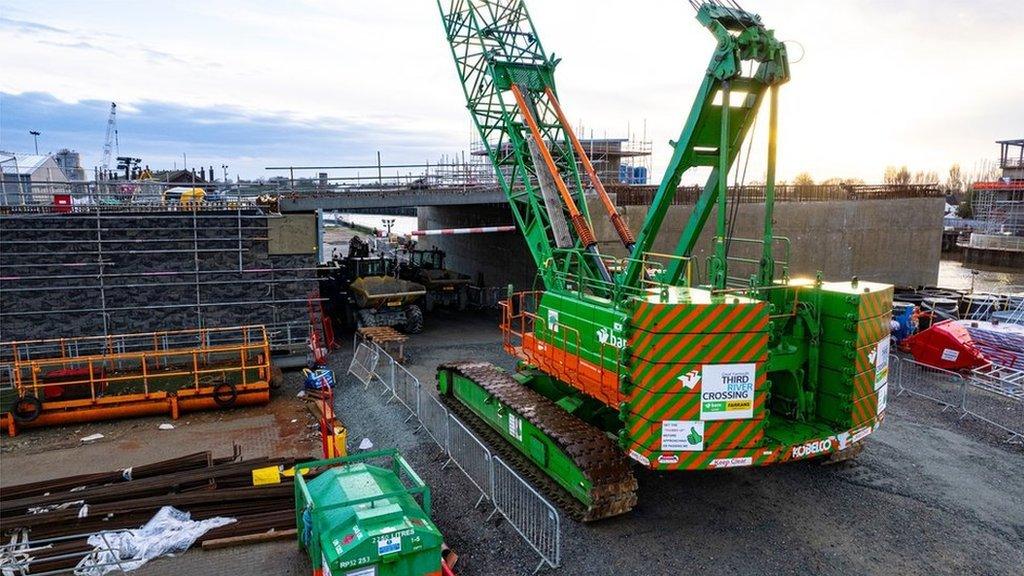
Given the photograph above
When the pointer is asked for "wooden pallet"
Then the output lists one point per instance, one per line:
(386, 337)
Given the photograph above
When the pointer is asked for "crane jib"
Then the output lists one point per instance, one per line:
(508, 80)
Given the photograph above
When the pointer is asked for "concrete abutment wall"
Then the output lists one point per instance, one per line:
(898, 241)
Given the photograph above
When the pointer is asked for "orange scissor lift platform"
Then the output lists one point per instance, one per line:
(85, 379)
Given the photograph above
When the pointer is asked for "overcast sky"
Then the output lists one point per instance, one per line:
(253, 83)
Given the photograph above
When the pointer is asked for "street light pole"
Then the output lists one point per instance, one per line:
(35, 139)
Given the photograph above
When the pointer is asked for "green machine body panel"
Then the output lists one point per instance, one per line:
(526, 437)
(589, 327)
(357, 517)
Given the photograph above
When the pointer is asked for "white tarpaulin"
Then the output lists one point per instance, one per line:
(168, 532)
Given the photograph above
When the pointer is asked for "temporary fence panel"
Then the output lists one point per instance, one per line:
(384, 372)
(434, 418)
(535, 519)
(996, 396)
(364, 362)
(992, 394)
(936, 384)
(407, 389)
(470, 455)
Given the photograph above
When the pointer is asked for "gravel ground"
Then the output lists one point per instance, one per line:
(929, 494)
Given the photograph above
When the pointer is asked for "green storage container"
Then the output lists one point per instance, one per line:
(359, 516)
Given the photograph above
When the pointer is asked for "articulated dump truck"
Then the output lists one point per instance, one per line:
(364, 290)
(628, 360)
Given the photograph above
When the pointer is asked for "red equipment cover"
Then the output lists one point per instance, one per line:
(945, 345)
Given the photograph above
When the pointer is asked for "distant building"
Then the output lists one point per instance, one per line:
(70, 163)
(616, 160)
(1001, 203)
(999, 208)
(30, 179)
(1011, 159)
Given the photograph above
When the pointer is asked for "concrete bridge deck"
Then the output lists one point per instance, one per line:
(405, 196)
(397, 197)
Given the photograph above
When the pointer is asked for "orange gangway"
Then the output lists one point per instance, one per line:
(84, 379)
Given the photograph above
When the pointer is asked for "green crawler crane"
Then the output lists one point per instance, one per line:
(628, 357)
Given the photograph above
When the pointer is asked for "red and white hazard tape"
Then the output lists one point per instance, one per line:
(452, 231)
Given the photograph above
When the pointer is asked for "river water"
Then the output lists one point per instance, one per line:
(952, 274)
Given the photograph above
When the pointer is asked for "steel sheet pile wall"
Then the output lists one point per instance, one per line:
(106, 272)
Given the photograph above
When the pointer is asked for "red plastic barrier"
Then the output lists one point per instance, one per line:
(945, 345)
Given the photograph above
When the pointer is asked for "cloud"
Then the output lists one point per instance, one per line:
(159, 56)
(28, 27)
(81, 45)
(881, 83)
(159, 132)
(96, 41)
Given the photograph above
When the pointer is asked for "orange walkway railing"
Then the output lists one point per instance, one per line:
(70, 380)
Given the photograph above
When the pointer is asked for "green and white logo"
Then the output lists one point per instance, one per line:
(553, 320)
(606, 337)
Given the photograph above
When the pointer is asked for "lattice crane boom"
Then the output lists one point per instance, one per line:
(509, 84)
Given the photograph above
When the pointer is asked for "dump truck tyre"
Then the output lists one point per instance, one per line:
(26, 409)
(413, 319)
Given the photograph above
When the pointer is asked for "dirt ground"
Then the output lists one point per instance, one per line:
(929, 494)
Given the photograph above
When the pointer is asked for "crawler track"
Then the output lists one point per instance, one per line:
(602, 463)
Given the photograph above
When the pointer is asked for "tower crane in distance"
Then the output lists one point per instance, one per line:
(110, 141)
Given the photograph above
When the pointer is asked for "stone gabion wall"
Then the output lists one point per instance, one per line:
(67, 275)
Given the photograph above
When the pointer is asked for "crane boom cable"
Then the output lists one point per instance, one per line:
(625, 234)
(579, 221)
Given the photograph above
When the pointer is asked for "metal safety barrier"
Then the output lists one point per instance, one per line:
(530, 514)
(434, 417)
(987, 394)
(364, 362)
(995, 395)
(406, 389)
(384, 371)
(470, 455)
(935, 384)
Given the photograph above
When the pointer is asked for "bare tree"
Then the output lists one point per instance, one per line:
(842, 182)
(803, 179)
(955, 180)
(897, 176)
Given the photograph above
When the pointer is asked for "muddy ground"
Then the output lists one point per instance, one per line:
(929, 494)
